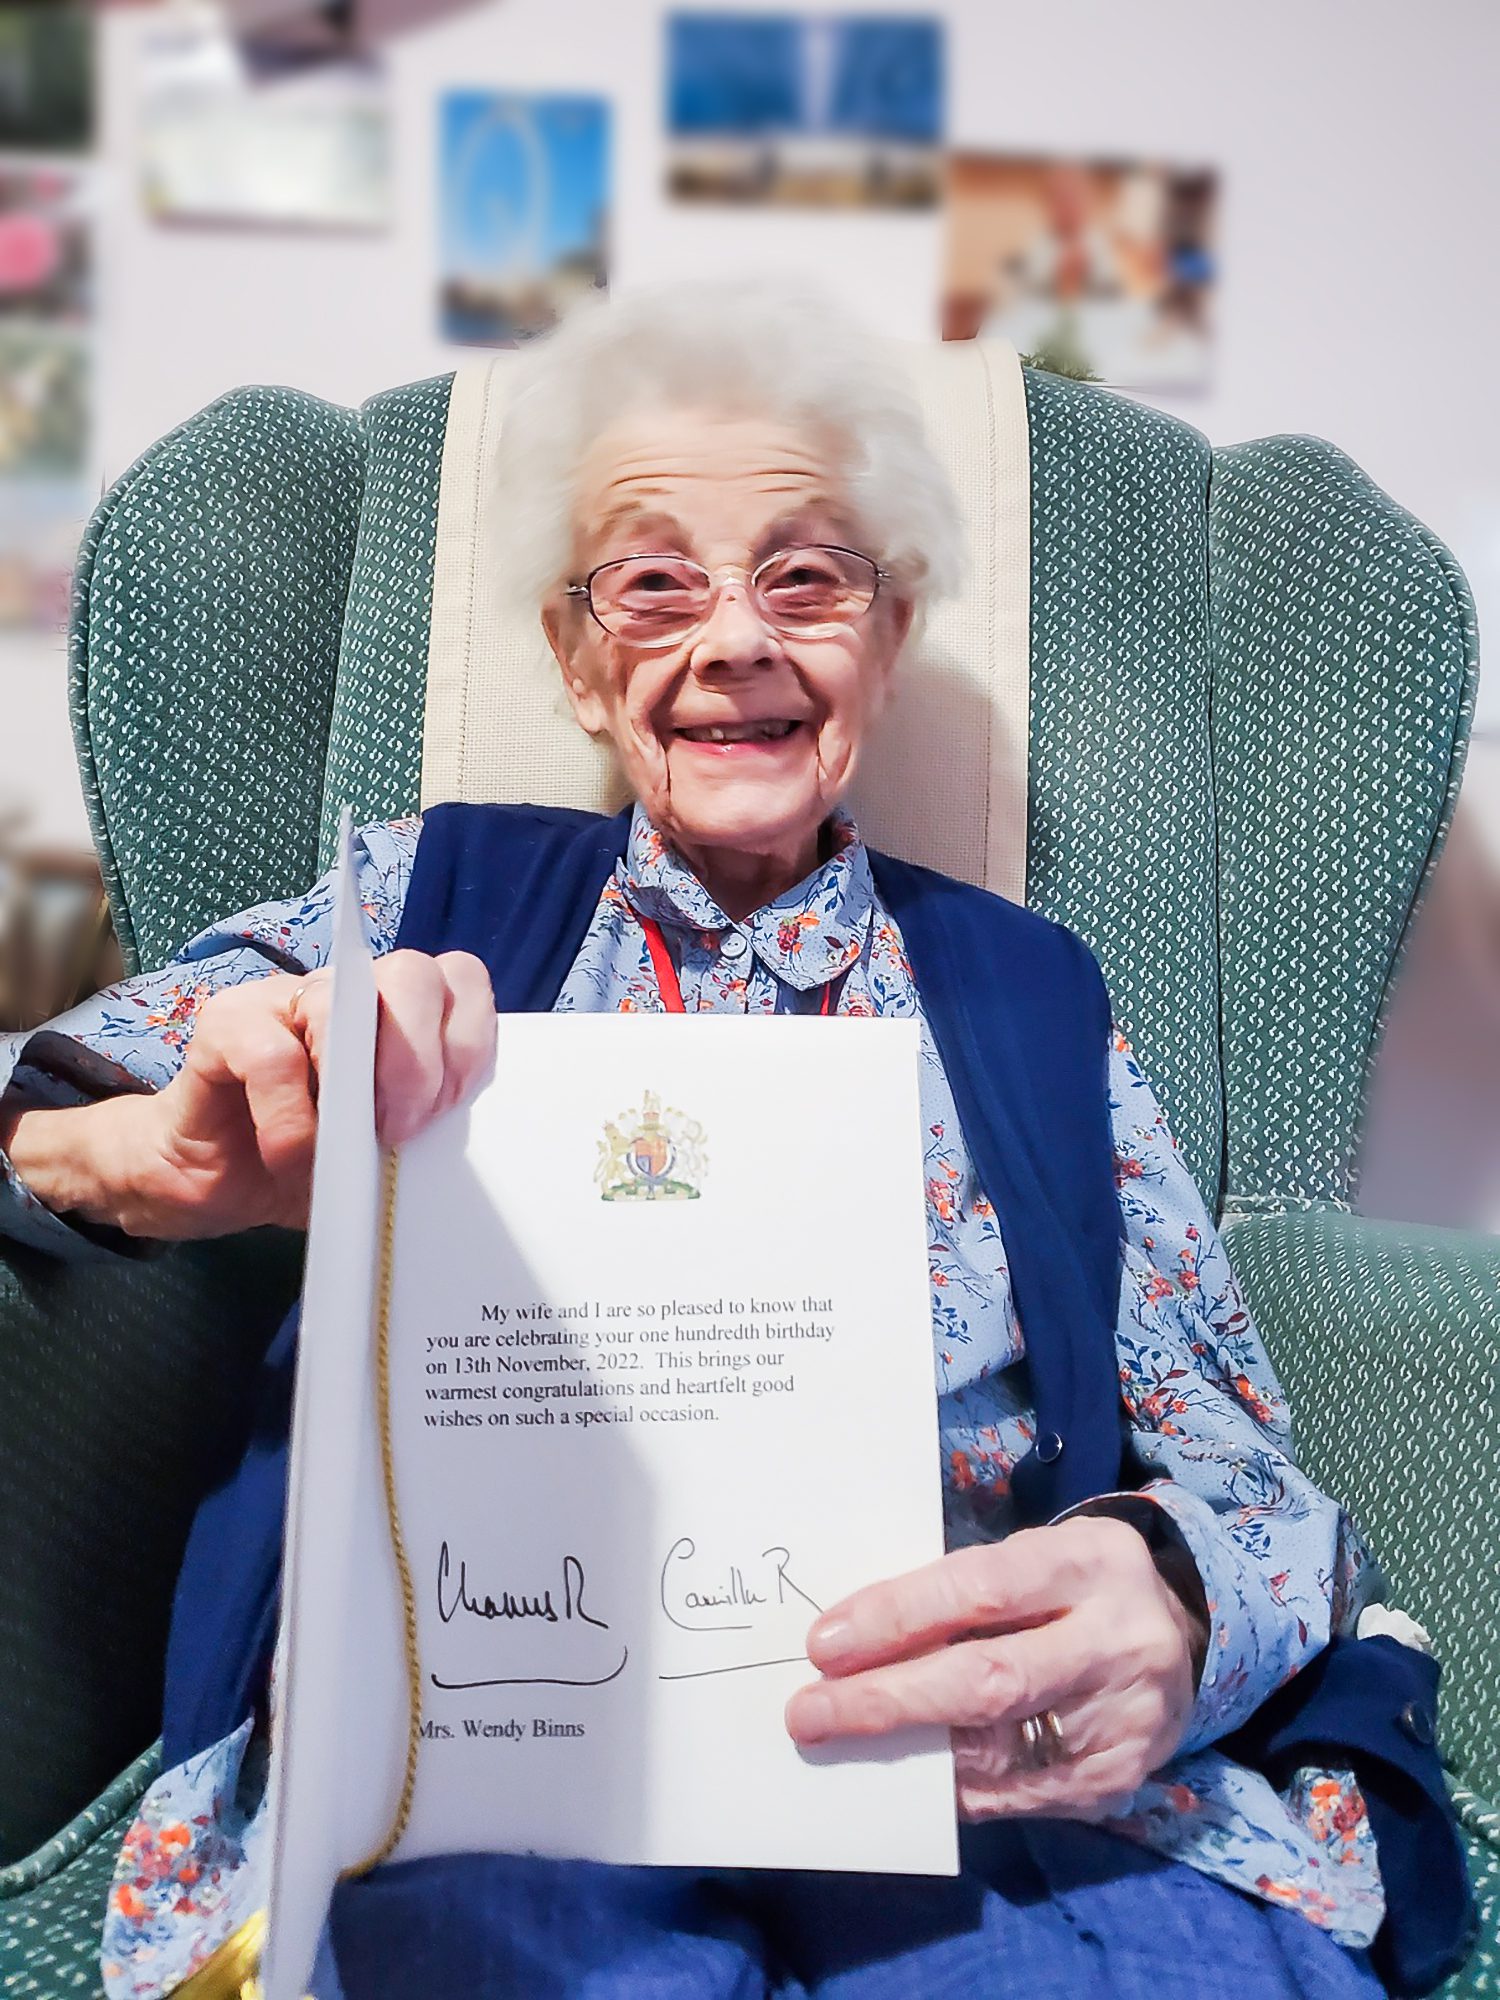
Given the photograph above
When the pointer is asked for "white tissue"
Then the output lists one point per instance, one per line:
(1377, 1620)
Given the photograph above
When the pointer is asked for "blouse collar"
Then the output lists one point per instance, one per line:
(806, 936)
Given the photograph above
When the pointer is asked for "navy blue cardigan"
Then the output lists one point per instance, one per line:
(1019, 1013)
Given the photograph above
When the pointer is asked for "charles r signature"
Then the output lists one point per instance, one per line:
(458, 1598)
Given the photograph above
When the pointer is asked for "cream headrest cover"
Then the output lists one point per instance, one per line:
(944, 783)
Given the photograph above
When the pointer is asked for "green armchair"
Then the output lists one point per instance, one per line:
(1252, 678)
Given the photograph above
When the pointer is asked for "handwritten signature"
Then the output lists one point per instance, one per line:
(703, 1605)
(459, 1599)
(742, 1597)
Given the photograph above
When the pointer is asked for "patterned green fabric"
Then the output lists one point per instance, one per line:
(375, 746)
(49, 1937)
(1344, 661)
(1480, 1978)
(1120, 840)
(1478, 1814)
(52, 1904)
(1388, 1343)
(208, 604)
(83, 1829)
(126, 1386)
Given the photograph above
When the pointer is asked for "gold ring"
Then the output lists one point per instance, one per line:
(1042, 1740)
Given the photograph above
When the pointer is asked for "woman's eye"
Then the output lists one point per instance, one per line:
(805, 577)
(654, 581)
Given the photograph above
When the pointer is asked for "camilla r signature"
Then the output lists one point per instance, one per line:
(459, 1599)
(727, 1601)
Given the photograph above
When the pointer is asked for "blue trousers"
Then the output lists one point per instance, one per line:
(1048, 1911)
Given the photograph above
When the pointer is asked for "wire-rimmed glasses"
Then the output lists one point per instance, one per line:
(657, 600)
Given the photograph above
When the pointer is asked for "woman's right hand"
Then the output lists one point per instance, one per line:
(228, 1144)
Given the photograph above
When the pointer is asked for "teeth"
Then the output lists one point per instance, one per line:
(748, 732)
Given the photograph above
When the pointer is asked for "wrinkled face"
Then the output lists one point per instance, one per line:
(735, 737)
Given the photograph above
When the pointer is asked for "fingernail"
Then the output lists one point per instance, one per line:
(830, 1637)
(809, 1715)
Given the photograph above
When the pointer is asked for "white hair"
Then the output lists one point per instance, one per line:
(740, 347)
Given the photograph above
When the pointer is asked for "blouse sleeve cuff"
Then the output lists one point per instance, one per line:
(51, 1071)
(1233, 1682)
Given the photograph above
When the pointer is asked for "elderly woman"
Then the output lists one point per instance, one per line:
(731, 524)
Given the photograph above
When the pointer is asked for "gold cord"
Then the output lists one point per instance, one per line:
(230, 1973)
(389, 1169)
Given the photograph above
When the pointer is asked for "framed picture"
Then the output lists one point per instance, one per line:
(47, 76)
(838, 112)
(45, 256)
(1105, 268)
(525, 212)
(44, 402)
(262, 135)
(41, 525)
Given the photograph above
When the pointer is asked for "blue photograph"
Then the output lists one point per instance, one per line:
(525, 206)
(815, 111)
(736, 76)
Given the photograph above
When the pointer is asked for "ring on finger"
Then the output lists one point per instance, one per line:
(309, 982)
(1042, 1740)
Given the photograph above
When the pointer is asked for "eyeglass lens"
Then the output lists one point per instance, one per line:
(658, 598)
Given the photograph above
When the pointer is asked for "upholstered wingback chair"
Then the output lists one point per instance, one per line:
(1208, 707)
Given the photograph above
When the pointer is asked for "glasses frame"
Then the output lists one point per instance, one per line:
(585, 589)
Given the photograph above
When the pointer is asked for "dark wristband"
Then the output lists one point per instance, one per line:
(1171, 1555)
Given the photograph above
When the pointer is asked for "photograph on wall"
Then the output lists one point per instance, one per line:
(234, 132)
(44, 402)
(1101, 268)
(46, 76)
(842, 112)
(524, 187)
(41, 524)
(45, 264)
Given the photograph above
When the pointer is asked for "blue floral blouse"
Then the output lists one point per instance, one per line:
(1282, 1566)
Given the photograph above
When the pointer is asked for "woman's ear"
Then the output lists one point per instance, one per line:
(578, 684)
(903, 610)
(898, 613)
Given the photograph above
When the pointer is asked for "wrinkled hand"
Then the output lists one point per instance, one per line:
(228, 1144)
(1073, 1617)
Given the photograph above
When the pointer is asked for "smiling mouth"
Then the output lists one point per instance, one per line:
(740, 732)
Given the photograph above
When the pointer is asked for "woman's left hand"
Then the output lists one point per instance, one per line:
(1074, 1618)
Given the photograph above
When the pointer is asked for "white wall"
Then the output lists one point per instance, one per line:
(1358, 141)
(1360, 154)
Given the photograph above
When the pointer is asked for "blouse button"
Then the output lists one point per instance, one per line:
(734, 945)
(1049, 1447)
(1417, 1725)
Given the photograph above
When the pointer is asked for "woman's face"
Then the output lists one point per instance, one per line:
(726, 492)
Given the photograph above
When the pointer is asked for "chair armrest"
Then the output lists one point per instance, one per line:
(1478, 1977)
(1387, 1340)
(125, 1387)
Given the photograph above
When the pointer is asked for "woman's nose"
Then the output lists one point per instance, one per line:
(734, 636)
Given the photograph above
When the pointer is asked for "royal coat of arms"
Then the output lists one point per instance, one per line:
(651, 1154)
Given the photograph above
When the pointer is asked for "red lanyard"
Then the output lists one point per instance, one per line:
(670, 986)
